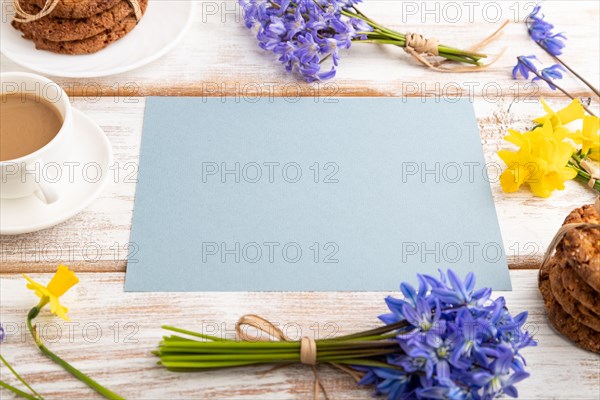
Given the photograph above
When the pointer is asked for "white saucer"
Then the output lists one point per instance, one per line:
(93, 154)
(163, 25)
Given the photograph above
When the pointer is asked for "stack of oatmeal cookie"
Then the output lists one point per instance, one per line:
(79, 26)
(570, 281)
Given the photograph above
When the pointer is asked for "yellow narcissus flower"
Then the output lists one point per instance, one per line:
(60, 283)
(589, 137)
(570, 113)
(518, 163)
(540, 162)
(548, 155)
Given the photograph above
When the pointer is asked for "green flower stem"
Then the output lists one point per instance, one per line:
(367, 363)
(65, 365)
(17, 391)
(383, 35)
(214, 364)
(564, 64)
(553, 83)
(582, 175)
(268, 358)
(466, 60)
(367, 348)
(11, 369)
(195, 334)
(211, 365)
(269, 355)
(571, 70)
(271, 346)
(377, 331)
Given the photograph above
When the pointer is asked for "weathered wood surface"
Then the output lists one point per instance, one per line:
(112, 333)
(219, 57)
(98, 238)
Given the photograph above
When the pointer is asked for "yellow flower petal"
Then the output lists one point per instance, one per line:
(509, 157)
(571, 112)
(546, 106)
(543, 155)
(540, 189)
(39, 289)
(568, 173)
(590, 137)
(509, 181)
(514, 137)
(57, 309)
(568, 114)
(62, 281)
(553, 180)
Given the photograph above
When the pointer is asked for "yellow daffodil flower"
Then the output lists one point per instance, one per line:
(60, 283)
(518, 162)
(570, 113)
(540, 162)
(589, 137)
(548, 155)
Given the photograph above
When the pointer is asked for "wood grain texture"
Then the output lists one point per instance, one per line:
(112, 333)
(220, 57)
(98, 238)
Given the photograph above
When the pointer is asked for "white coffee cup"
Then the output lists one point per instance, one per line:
(22, 177)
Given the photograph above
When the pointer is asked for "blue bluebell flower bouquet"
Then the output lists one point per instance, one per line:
(307, 35)
(444, 340)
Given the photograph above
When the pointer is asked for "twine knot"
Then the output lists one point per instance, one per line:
(593, 170)
(308, 351)
(24, 17)
(308, 346)
(421, 45)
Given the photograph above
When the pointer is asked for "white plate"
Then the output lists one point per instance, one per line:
(80, 183)
(163, 25)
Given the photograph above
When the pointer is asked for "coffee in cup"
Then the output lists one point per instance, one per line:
(28, 122)
(35, 132)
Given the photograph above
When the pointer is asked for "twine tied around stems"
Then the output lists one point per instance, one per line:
(591, 169)
(308, 346)
(419, 44)
(419, 47)
(563, 231)
(49, 6)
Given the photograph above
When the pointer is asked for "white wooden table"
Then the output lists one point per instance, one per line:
(113, 332)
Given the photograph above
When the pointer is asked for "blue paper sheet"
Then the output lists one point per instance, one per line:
(349, 194)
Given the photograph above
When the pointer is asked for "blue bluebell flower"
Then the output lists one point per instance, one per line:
(553, 43)
(410, 297)
(499, 378)
(394, 383)
(307, 35)
(2, 333)
(459, 344)
(550, 74)
(449, 392)
(541, 32)
(525, 64)
(460, 293)
(537, 26)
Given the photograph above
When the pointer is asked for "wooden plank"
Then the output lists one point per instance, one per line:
(98, 238)
(219, 56)
(112, 333)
